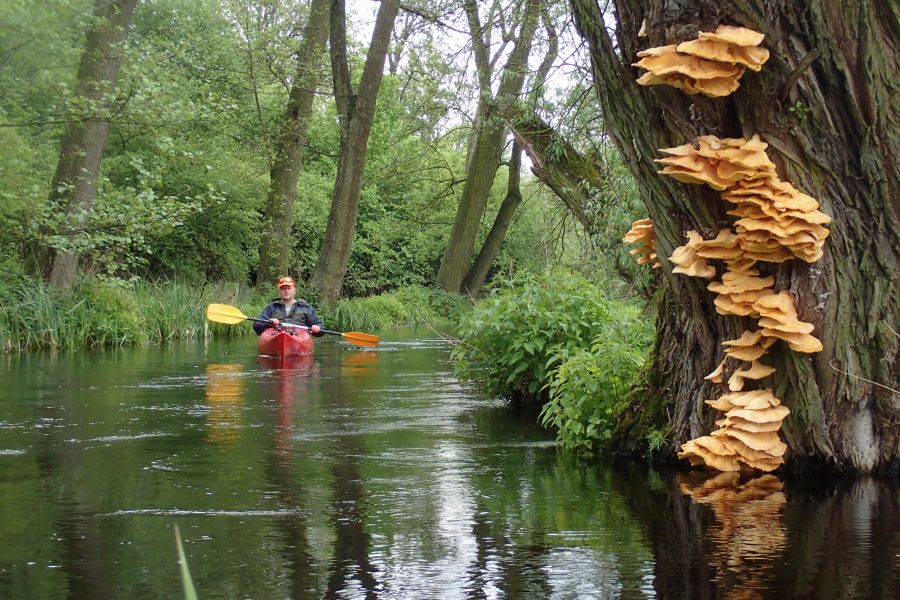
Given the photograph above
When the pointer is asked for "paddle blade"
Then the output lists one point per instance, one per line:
(361, 339)
(222, 313)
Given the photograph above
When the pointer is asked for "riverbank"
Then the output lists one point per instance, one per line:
(100, 313)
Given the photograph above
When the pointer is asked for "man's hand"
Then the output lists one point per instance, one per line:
(274, 322)
(315, 329)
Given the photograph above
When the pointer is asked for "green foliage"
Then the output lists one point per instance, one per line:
(407, 307)
(185, 170)
(588, 387)
(614, 207)
(801, 110)
(657, 440)
(96, 314)
(516, 335)
(102, 313)
(556, 341)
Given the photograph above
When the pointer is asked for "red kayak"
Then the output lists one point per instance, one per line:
(275, 342)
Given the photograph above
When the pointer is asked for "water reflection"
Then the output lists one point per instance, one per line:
(224, 397)
(350, 571)
(375, 474)
(292, 379)
(359, 363)
(748, 536)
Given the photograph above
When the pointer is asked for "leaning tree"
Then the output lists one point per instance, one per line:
(825, 102)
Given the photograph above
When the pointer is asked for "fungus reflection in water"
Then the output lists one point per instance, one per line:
(748, 537)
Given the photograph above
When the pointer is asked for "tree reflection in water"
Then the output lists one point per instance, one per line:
(351, 568)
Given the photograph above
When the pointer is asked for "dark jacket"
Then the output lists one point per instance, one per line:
(301, 314)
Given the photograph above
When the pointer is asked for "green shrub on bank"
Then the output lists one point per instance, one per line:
(556, 342)
(588, 387)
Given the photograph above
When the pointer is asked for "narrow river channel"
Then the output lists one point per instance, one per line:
(374, 474)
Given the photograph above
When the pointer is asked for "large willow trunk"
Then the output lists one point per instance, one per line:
(75, 183)
(275, 243)
(356, 113)
(825, 102)
(486, 145)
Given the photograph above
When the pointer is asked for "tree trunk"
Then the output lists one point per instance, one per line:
(275, 244)
(825, 103)
(559, 166)
(356, 113)
(491, 247)
(75, 182)
(488, 149)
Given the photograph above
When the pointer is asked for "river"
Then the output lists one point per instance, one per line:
(375, 474)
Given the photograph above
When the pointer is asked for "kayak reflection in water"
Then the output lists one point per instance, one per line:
(224, 397)
(289, 309)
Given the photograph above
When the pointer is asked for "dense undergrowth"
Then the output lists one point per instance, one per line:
(560, 343)
(103, 313)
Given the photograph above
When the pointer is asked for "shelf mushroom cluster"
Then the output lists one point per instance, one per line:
(642, 233)
(775, 222)
(747, 435)
(711, 65)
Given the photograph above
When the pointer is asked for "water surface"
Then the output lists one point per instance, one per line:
(374, 474)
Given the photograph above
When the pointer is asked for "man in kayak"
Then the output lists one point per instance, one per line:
(288, 309)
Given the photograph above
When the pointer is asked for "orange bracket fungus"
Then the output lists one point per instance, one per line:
(775, 222)
(642, 233)
(711, 65)
(688, 262)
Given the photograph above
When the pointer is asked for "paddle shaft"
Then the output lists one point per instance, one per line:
(293, 325)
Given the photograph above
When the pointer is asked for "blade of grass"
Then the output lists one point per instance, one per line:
(189, 592)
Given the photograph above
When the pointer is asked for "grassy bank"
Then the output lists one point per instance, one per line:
(99, 313)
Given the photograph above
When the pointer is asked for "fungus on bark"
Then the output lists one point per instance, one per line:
(711, 65)
(747, 435)
(688, 262)
(718, 162)
(779, 320)
(642, 233)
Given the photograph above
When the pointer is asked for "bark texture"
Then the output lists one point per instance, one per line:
(75, 182)
(278, 214)
(825, 103)
(487, 144)
(356, 113)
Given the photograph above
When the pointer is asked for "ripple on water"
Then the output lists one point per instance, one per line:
(119, 438)
(180, 512)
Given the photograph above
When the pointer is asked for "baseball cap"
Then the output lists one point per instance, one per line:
(285, 281)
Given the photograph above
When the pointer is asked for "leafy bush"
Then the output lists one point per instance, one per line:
(588, 389)
(555, 341)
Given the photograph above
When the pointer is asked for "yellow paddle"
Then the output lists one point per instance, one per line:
(223, 313)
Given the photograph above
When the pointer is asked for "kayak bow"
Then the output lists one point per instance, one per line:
(281, 343)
